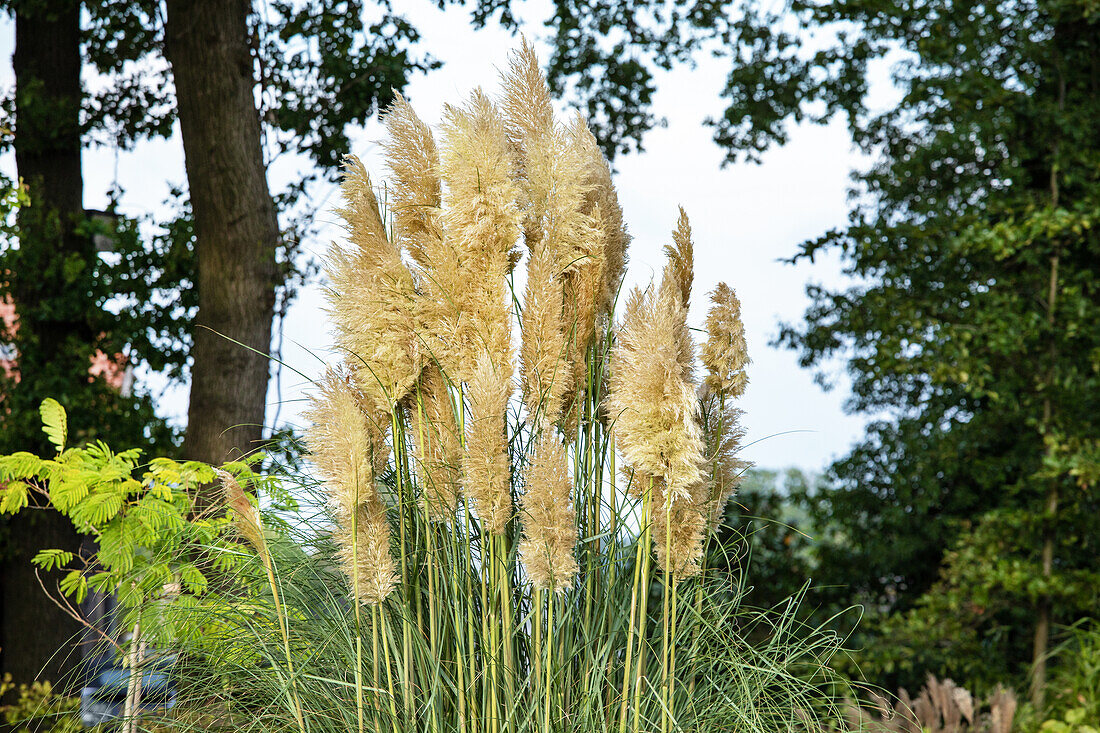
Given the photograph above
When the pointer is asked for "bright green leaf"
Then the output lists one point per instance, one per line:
(54, 422)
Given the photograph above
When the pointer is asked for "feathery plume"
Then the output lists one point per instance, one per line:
(686, 524)
(603, 203)
(416, 196)
(683, 517)
(550, 531)
(680, 269)
(363, 549)
(435, 435)
(416, 202)
(722, 434)
(372, 297)
(245, 517)
(652, 398)
(725, 353)
(544, 370)
(482, 222)
(348, 448)
(725, 356)
(564, 241)
(486, 469)
(527, 105)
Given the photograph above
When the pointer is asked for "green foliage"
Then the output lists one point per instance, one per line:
(149, 542)
(37, 709)
(1074, 705)
(54, 423)
(970, 329)
(755, 670)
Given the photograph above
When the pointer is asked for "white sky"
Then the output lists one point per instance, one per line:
(744, 217)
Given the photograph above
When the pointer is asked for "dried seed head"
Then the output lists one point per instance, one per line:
(603, 203)
(363, 548)
(680, 270)
(725, 357)
(346, 444)
(372, 297)
(550, 531)
(679, 533)
(652, 400)
(545, 371)
(348, 447)
(437, 444)
(725, 354)
(722, 434)
(245, 517)
(416, 202)
(416, 195)
(562, 235)
(485, 467)
(482, 224)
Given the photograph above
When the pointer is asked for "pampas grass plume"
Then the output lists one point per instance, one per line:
(372, 297)
(348, 448)
(482, 222)
(486, 469)
(246, 519)
(549, 529)
(436, 440)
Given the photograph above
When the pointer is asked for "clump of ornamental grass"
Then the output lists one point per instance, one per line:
(519, 497)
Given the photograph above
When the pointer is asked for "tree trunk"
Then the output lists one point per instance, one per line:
(1041, 641)
(35, 635)
(235, 225)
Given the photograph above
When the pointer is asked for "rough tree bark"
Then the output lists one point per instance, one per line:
(56, 336)
(235, 225)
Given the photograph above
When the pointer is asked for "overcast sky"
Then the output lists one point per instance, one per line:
(744, 217)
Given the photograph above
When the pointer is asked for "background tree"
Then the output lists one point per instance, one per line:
(55, 341)
(974, 320)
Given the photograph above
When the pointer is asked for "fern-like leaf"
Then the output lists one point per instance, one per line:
(54, 422)
(52, 559)
(76, 585)
(13, 497)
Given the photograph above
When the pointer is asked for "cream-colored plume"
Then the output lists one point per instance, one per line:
(486, 470)
(416, 201)
(652, 393)
(677, 523)
(562, 236)
(544, 365)
(680, 269)
(686, 524)
(652, 399)
(725, 353)
(482, 223)
(349, 449)
(437, 444)
(416, 193)
(722, 434)
(549, 527)
(363, 547)
(725, 356)
(603, 203)
(372, 298)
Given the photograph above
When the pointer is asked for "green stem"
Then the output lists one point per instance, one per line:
(549, 660)
(643, 613)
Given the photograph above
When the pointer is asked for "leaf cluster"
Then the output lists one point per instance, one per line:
(141, 517)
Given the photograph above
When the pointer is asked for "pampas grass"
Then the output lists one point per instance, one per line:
(484, 559)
